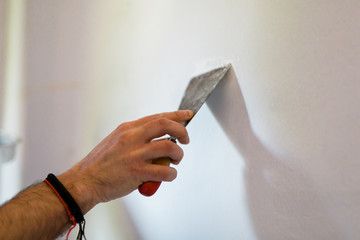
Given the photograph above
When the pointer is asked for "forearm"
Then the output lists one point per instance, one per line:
(35, 213)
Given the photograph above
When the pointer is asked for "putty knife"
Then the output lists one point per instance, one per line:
(198, 90)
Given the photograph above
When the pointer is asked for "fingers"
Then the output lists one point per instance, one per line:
(158, 125)
(177, 116)
(163, 126)
(161, 149)
(158, 150)
(158, 173)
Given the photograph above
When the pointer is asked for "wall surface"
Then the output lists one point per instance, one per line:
(274, 153)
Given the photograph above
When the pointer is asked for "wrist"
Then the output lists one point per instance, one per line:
(72, 181)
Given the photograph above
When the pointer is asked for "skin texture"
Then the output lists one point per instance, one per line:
(114, 168)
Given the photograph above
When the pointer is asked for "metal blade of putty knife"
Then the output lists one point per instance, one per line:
(200, 88)
(196, 94)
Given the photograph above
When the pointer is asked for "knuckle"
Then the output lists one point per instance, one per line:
(161, 115)
(173, 150)
(124, 126)
(162, 122)
(126, 137)
(168, 146)
(178, 114)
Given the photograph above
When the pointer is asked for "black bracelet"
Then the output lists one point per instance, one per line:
(66, 196)
(71, 205)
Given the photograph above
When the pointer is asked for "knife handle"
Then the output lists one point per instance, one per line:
(149, 188)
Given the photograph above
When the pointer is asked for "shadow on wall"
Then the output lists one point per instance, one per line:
(282, 203)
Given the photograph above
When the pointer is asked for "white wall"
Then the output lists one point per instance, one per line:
(274, 155)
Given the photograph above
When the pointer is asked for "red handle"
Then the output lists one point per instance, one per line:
(149, 188)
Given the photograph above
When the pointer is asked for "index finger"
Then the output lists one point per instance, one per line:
(178, 116)
(162, 126)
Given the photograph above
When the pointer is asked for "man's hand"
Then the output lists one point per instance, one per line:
(122, 161)
(114, 168)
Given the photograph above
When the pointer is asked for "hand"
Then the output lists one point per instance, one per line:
(122, 161)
